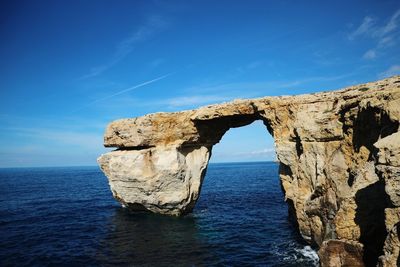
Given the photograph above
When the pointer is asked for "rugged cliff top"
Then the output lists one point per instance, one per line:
(183, 127)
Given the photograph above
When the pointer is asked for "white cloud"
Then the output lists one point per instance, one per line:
(50, 147)
(385, 34)
(231, 91)
(51, 142)
(253, 89)
(386, 42)
(392, 24)
(365, 28)
(267, 153)
(153, 25)
(193, 100)
(369, 27)
(175, 102)
(262, 152)
(391, 71)
(370, 54)
(59, 137)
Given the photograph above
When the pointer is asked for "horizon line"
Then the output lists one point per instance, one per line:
(83, 166)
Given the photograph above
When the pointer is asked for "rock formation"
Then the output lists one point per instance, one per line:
(339, 156)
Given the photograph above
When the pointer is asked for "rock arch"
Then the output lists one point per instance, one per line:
(336, 150)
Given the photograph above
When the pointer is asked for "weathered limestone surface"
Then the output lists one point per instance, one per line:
(163, 180)
(339, 155)
(340, 253)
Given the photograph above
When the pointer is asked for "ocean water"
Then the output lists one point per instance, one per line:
(68, 217)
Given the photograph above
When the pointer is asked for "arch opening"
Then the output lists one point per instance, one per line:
(247, 143)
(243, 202)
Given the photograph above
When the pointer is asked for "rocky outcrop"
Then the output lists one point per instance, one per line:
(338, 153)
(340, 253)
(163, 180)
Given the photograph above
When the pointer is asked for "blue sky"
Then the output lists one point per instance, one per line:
(70, 67)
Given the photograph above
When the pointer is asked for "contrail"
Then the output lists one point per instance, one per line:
(124, 91)
(130, 88)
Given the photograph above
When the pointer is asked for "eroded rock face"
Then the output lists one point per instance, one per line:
(392, 247)
(340, 253)
(338, 153)
(164, 180)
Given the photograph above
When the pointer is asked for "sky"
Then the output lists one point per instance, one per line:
(68, 68)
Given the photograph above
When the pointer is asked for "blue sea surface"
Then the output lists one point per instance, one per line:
(68, 217)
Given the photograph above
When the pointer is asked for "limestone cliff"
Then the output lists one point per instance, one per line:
(339, 155)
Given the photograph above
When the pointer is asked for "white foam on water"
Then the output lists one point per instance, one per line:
(308, 252)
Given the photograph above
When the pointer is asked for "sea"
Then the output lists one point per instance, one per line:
(67, 216)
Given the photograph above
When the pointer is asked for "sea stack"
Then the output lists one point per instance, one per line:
(339, 156)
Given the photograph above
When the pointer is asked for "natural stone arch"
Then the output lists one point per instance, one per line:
(165, 179)
(329, 162)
